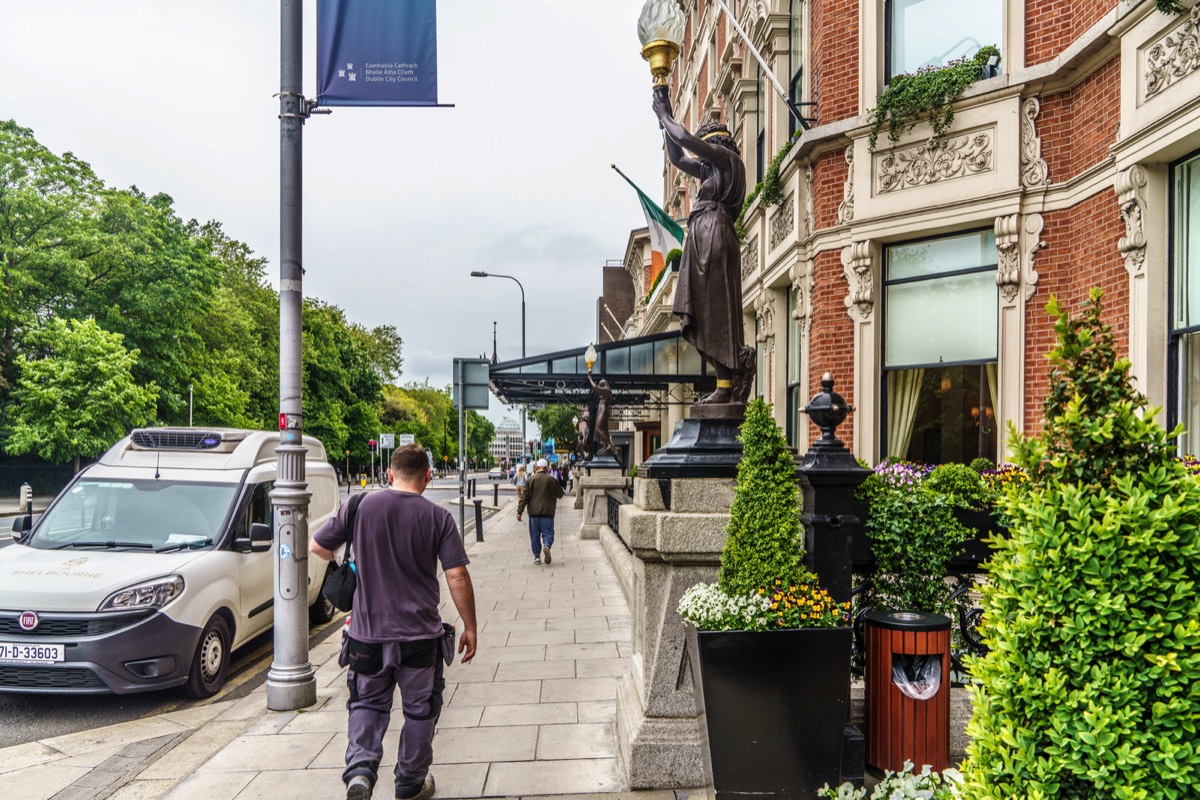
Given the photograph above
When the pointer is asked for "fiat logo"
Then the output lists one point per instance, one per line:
(29, 620)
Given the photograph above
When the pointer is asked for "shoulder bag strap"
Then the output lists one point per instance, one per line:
(351, 516)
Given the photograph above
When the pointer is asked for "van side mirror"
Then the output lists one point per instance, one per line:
(261, 536)
(21, 527)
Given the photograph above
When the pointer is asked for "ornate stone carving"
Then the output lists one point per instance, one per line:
(1175, 56)
(846, 209)
(1133, 206)
(1034, 172)
(1033, 242)
(750, 258)
(784, 222)
(857, 265)
(765, 315)
(801, 275)
(934, 161)
(808, 200)
(1008, 263)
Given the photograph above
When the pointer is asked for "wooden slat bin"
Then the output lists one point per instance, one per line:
(900, 726)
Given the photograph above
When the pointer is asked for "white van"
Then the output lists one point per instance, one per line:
(153, 565)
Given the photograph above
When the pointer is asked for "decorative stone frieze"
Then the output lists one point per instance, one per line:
(934, 161)
(857, 266)
(846, 208)
(1034, 171)
(750, 258)
(1033, 242)
(1173, 57)
(808, 200)
(784, 222)
(765, 315)
(1008, 262)
(1133, 207)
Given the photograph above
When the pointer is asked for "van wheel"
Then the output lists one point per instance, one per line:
(321, 611)
(210, 665)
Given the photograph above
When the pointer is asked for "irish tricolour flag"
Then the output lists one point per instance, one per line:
(665, 233)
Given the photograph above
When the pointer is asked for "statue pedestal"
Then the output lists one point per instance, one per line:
(590, 493)
(705, 445)
(675, 529)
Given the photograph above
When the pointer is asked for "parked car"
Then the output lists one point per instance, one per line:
(495, 474)
(153, 565)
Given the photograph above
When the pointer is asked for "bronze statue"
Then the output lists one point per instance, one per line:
(603, 404)
(708, 300)
(583, 434)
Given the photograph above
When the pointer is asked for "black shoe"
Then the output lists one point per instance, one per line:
(423, 793)
(359, 788)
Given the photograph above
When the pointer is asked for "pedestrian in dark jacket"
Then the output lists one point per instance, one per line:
(542, 493)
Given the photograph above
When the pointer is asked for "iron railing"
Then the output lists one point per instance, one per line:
(615, 501)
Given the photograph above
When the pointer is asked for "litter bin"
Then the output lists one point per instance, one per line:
(908, 689)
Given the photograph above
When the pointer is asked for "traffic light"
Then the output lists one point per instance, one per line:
(371, 443)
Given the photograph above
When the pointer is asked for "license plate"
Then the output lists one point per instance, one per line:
(21, 653)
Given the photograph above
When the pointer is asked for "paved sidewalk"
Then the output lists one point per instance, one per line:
(533, 714)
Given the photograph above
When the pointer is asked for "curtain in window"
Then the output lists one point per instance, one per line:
(992, 382)
(904, 387)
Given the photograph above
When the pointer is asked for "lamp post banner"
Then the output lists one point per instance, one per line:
(377, 53)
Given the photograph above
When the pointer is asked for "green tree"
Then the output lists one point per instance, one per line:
(78, 395)
(554, 422)
(1091, 684)
(47, 207)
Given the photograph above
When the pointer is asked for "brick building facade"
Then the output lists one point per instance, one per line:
(917, 273)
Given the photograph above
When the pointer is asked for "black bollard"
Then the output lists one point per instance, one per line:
(495, 494)
(478, 519)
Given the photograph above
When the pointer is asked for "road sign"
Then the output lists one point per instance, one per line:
(387, 441)
(407, 438)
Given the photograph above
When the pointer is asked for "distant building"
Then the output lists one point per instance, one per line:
(507, 445)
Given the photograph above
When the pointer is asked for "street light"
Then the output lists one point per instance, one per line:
(481, 274)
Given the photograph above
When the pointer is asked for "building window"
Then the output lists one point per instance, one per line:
(1184, 343)
(760, 140)
(939, 362)
(795, 400)
(930, 33)
(796, 66)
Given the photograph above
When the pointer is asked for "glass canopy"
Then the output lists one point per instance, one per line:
(633, 368)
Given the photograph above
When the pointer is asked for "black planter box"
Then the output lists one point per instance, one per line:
(773, 709)
(975, 550)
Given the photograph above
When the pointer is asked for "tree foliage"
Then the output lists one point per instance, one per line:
(554, 422)
(191, 310)
(1091, 686)
(77, 395)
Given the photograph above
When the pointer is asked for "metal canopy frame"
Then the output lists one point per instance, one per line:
(633, 368)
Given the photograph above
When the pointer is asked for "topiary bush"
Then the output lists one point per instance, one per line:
(1091, 686)
(960, 484)
(764, 543)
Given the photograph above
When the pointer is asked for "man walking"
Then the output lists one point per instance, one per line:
(395, 638)
(542, 493)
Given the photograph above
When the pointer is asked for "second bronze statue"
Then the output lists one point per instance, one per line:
(708, 299)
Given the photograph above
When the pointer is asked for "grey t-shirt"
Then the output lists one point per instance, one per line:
(399, 538)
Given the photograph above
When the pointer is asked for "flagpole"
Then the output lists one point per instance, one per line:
(763, 64)
(623, 175)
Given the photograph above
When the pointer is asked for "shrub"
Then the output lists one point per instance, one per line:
(959, 484)
(982, 464)
(926, 784)
(1091, 686)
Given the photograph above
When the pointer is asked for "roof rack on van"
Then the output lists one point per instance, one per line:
(185, 439)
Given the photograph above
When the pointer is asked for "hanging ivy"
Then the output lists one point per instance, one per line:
(768, 189)
(928, 94)
(1169, 6)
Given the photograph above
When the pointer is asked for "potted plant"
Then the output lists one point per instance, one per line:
(769, 650)
(944, 785)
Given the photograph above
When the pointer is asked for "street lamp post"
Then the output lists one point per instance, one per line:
(481, 274)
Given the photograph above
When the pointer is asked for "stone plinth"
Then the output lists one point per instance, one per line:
(592, 486)
(676, 530)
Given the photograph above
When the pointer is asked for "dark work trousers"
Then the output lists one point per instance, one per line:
(541, 531)
(416, 669)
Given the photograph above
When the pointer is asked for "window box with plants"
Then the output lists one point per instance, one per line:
(769, 650)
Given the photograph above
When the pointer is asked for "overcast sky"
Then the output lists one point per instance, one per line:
(399, 204)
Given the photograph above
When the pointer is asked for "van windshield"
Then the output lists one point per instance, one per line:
(135, 515)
